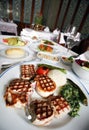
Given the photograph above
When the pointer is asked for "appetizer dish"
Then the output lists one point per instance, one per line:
(45, 48)
(48, 57)
(45, 93)
(83, 64)
(67, 60)
(14, 53)
(41, 47)
(47, 42)
(14, 41)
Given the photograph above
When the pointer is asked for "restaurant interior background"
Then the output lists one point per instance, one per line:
(55, 13)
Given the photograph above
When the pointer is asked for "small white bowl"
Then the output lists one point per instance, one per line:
(66, 60)
(86, 54)
(80, 71)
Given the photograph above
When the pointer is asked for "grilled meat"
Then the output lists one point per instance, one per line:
(18, 93)
(41, 112)
(60, 105)
(45, 86)
(27, 72)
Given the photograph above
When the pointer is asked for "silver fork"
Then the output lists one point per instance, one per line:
(4, 66)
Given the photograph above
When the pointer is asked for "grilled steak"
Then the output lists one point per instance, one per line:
(45, 86)
(41, 112)
(18, 93)
(60, 105)
(27, 72)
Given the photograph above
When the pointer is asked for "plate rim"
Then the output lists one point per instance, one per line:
(2, 53)
(6, 44)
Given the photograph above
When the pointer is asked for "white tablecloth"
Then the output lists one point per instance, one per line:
(62, 52)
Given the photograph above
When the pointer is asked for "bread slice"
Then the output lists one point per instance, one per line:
(15, 52)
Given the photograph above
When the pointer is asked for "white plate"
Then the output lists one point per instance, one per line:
(65, 61)
(6, 44)
(34, 47)
(86, 54)
(2, 53)
(6, 60)
(48, 57)
(14, 119)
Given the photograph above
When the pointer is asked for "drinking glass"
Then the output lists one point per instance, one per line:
(72, 41)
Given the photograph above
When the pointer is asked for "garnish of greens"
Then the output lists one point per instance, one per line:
(74, 95)
(15, 41)
(70, 59)
(53, 67)
(71, 92)
(48, 42)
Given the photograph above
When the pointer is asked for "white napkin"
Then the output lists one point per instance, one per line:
(62, 38)
(28, 32)
(47, 29)
(56, 32)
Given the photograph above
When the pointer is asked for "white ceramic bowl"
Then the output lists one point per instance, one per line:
(86, 54)
(66, 60)
(79, 71)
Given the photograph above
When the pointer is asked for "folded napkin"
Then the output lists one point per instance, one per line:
(56, 32)
(30, 33)
(62, 38)
(47, 29)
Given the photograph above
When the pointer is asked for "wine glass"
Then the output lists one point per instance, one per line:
(70, 31)
(73, 31)
(67, 32)
(72, 41)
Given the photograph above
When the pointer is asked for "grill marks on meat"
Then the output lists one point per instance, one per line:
(18, 92)
(42, 109)
(60, 105)
(27, 71)
(45, 86)
(43, 112)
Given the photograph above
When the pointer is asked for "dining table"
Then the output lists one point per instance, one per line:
(83, 121)
(8, 27)
(4, 60)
